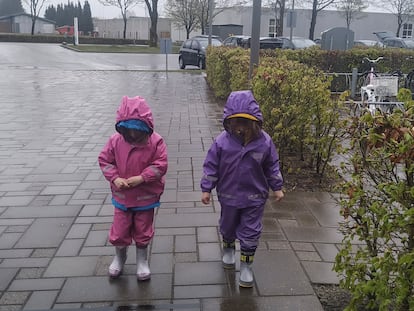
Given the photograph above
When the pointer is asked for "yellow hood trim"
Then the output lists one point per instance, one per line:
(243, 115)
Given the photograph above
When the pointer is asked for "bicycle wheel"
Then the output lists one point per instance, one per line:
(409, 83)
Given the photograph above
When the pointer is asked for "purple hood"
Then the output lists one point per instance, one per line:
(242, 102)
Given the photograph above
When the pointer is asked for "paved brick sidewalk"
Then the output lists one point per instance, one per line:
(55, 206)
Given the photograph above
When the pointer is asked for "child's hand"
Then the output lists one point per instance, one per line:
(135, 181)
(205, 197)
(121, 183)
(279, 195)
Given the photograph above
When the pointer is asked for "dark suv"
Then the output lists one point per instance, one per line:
(193, 51)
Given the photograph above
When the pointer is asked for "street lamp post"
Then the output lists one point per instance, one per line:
(210, 19)
(255, 38)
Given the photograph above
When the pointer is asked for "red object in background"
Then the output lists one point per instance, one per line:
(68, 30)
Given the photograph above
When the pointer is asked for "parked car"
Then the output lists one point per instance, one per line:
(390, 40)
(206, 36)
(381, 35)
(297, 43)
(370, 43)
(193, 51)
(237, 41)
(270, 43)
(398, 43)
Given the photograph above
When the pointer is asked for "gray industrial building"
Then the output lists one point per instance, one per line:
(240, 18)
(235, 20)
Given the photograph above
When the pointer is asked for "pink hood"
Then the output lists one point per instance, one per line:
(135, 108)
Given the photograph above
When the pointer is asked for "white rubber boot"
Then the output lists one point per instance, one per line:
(229, 258)
(143, 271)
(117, 265)
(246, 272)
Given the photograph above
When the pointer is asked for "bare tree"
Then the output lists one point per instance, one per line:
(204, 12)
(402, 9)
(351, 10)
(317, 6)
(35, 8)
(153, 13)
(124, 6)
(279, 7)
(184, 13)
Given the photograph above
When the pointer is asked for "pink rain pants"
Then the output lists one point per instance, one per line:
(128, 226)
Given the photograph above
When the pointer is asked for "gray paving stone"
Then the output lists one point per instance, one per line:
(69, 248)
(14, 298)
(6, 276)
(308, 256)
(321, 234)
(162, 244)
(14, 187)
(328, 252)
(199, 273)
(78, 231)
(8, 240)
(185, 257)
(15, 229)
(30, 273)
(207, 234)
(41, 300)
(97, 238)
(209, 251)
(286, 303)
(45, 232)
(36, 284)
(286, 276)
(327, 214)
(16, 222)
(185, 244)
(186, 220)
(24, 262)
(16, 200)
(321, 272)
(67, 306)
(161, 263)
(55, 190)
(71, 266)
(200, 291)
(15, 253)
(174, 231)
(43, 252)
(86, 289)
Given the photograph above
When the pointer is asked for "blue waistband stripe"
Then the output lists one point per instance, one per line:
(135, 209)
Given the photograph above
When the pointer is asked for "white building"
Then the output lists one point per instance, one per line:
(363, 26)
(22, 23)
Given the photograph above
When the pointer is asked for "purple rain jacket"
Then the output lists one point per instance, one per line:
(119, 158)
(242, 174)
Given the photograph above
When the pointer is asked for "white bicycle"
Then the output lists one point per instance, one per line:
(379, 91)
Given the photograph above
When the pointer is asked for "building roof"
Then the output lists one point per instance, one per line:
(28, 15)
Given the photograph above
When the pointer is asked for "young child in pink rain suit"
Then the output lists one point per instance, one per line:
(134, 161)
(242, 163)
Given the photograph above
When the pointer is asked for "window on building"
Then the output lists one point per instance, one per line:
(272, 27)
(407, 30)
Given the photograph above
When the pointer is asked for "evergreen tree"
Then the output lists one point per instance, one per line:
(9, 7)
(64, 14)
(51, 14)
(87, 18)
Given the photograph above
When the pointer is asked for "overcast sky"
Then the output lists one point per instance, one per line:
(101, 11)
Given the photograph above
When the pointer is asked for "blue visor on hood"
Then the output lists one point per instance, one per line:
(135, 125)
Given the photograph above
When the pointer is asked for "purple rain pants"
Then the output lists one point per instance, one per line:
(244, 224)
(128, 226)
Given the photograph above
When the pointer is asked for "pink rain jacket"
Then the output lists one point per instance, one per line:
(121, 159)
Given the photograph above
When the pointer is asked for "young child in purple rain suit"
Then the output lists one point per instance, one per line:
(134, 161)
(242, 163)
